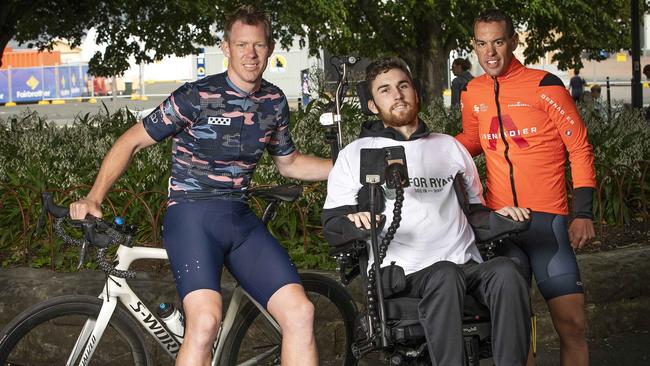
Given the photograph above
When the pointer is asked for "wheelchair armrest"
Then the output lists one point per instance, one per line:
(340, 231)
(490, 226)
(351, 246)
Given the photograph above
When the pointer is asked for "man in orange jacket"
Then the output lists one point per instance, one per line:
(525, 121)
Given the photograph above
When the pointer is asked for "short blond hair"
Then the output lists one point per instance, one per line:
(250, 15)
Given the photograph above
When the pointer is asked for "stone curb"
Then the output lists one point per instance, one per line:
(617, 284)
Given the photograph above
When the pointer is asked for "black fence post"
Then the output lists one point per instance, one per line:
(609, 101)
(637, 91)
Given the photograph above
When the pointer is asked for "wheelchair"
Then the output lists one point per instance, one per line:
(389, 323)
(406, 339)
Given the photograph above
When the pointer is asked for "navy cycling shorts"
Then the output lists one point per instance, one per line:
(545, 248)
(200, 237)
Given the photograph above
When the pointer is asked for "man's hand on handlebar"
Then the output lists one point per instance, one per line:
(83, 207)
(362, 219)
(516, 213)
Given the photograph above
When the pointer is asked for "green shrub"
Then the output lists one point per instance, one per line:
(65, 158)
(38, 155)
(621, 153)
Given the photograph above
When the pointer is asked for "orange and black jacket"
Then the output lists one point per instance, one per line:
(525, 121)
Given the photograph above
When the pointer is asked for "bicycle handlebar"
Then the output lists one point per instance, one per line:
(102, 234)
(49, 206)
(95, 231)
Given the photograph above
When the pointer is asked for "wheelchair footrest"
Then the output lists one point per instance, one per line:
(407, 333)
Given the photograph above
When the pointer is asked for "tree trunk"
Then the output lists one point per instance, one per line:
(429, 68)
(11, 11)
(4, 39)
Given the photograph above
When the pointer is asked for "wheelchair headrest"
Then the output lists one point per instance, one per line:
(364, 96)
(363, 93)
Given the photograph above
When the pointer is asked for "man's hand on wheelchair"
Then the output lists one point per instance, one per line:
(362, 219)
(516, 213)
(581, 232)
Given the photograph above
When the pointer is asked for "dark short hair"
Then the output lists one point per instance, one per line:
(249, 15)
(383, 65)
(496, 15)
(463, 63)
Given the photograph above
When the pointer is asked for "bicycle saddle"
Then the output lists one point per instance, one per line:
(284, 192)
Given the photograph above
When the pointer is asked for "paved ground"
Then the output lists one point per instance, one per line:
(629, 349)
(64, 113)
(619, 350)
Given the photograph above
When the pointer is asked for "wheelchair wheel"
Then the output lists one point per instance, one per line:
(254, 341)
(46, 333)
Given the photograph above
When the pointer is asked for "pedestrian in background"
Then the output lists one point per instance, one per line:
(460, 68)
(577, 86)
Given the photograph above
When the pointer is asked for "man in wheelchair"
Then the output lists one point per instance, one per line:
(432, 262)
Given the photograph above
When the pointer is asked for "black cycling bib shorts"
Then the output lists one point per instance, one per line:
(545, 248)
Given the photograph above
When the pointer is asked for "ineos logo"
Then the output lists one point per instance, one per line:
(511, 130)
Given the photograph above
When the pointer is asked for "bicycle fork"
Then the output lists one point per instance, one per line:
(91, 334)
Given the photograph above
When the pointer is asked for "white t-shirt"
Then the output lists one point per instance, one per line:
(433, 227)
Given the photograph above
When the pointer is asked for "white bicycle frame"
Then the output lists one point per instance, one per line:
(116, 289)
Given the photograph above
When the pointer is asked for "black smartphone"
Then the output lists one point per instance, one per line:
(373, 166)
(374, 163)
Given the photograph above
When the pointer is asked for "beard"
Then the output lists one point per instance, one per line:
(406, 117)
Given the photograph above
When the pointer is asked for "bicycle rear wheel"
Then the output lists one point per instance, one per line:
(254, 341)
(46, 333)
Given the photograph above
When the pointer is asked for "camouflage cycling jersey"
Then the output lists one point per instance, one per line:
(219, 134)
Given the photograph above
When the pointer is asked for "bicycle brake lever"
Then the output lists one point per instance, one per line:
(82, 254)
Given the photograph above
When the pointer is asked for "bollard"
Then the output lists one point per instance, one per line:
(11, 102)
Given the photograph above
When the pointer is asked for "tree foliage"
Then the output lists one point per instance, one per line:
(423, 32)
(148, 30)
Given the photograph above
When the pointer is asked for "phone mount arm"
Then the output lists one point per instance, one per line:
(374, 281)
(334, 135)
(379, 165)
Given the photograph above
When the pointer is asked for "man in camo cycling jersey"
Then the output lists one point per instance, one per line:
(220, 126)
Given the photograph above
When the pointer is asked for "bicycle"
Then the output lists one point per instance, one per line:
(248, 335)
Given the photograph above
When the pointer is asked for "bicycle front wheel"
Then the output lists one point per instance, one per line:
(254, 341)
(46, 333)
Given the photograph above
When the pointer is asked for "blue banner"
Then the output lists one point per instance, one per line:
(27, 84)
(49, 82)
(76, 81)
(37, 83)
(86, 79)
(4, 86)
(64, 82)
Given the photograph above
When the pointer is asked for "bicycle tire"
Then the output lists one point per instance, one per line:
(315, 285)
(63, 312)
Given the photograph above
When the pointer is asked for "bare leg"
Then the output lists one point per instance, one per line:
(202, 320)
(295, 313)
(568, 314)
